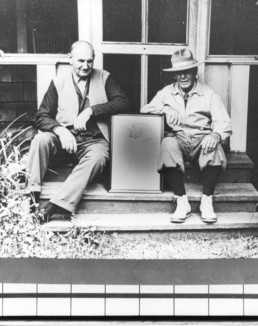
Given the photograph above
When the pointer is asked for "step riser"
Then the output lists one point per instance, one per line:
(107, 207)
(232, 197)
(229, 176)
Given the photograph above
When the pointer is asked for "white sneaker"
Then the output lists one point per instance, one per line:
(206, 208)
(183, 210)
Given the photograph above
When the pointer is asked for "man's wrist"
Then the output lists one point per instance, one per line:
(164, 109)
(89, 111)
(217, 134)
(57, 129)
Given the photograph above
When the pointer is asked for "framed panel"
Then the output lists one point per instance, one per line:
(135, 146)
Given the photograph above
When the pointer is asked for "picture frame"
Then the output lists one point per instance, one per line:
(135, 146)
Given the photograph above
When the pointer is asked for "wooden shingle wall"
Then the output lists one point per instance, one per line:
(18, 93)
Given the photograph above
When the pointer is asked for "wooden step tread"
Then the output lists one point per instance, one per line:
(155, 222)
(223, 192)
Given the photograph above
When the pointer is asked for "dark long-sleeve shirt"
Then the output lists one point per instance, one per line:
(117, 103)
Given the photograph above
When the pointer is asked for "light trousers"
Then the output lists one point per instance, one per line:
(176, 149)
(92, 156)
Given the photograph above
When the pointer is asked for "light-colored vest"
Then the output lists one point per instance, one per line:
(68, 103)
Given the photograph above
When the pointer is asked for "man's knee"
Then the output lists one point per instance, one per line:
(214, 158)
(170, 154)
(42, 139)
(100, 160)
(169, 144)
(98, 156)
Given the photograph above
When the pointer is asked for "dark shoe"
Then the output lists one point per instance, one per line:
(47, 210)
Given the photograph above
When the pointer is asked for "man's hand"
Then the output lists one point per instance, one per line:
(67, 139)
(210, 142)
(172, 115)
(80, 122)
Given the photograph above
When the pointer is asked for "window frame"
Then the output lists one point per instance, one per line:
(143, 48)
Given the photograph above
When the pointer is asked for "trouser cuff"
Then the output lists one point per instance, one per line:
(63, 204)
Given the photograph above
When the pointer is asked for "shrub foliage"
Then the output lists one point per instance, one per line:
(20, 233)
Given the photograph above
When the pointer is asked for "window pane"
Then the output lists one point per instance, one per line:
(234, 27)
(8, 35)
(38, 26)
(122, 20)
(157, 78)
(167, 21)
(126, 70)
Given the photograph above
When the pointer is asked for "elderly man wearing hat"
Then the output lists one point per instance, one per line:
(197, 123)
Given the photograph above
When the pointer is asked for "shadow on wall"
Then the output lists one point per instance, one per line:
(252, 126)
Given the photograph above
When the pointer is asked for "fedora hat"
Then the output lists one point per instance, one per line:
(182, 59)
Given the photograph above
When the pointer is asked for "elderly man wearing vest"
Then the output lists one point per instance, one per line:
(73, 119)
(197, 123)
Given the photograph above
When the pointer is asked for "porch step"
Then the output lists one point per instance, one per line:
(155, 222)
(238, 171)
(228, 197)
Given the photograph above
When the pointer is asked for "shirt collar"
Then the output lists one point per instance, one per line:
(196, 90)
(77, 79)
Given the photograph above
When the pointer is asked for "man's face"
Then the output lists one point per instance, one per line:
(82, 59)
(185, 79)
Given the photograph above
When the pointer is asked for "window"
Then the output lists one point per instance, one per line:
(166, 21)
(38, 26)
(138, 37)
(234, 27)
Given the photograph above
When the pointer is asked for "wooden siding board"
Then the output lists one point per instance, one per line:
(7, 115)
(218, 78)
(24, 73)
(9, 111)
(17, 72)
(11, 92)
(5, 74)
(29, 73)
(45, 73)
(239, 106)
(30, 91)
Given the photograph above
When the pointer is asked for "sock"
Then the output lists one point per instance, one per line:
(210, 179)
(176, 180)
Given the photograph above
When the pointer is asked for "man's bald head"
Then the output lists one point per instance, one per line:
(81, 44)
(82, 58)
